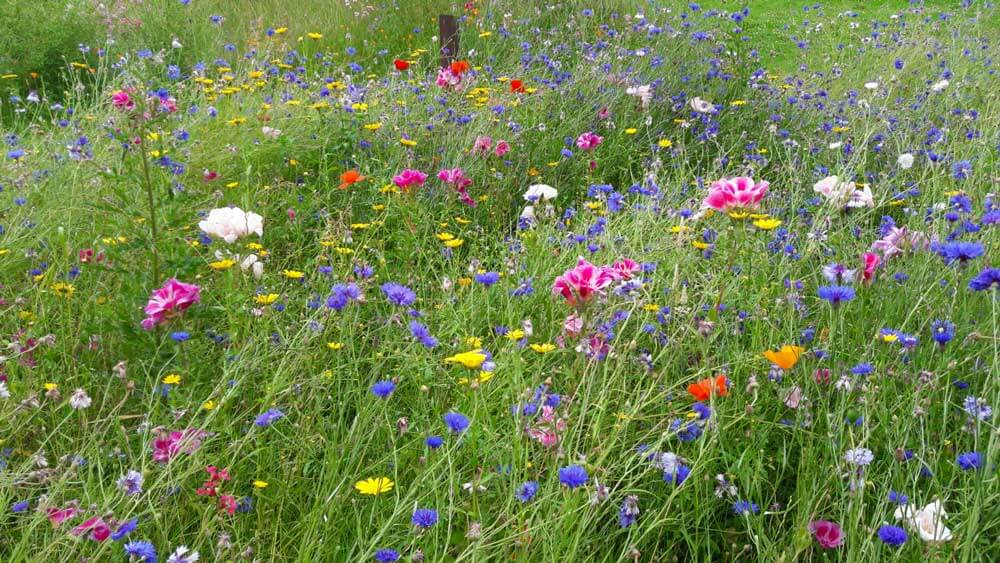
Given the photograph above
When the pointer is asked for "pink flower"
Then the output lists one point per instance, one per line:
(828, 534)
(588, 141)
(623, 269)
(169, 301)
(409, 178)
(573, 324)
(448, 79)
(99, 530)
(582, 282)
(503, 147)
(871, 261)
(122, 100)
(59, 515)
(735, 193)
(177, 442)
(455, 177)
(482, 145)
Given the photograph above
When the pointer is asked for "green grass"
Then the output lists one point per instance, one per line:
(257, 344)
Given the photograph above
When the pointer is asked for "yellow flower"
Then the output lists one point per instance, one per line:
(786, 357)
(515, 334)
(443, 237)
(700, 245)
(483, 377)
(293, 274)
(408, 142)
(63, 289)
(474, 341)
(259, 484)
(222, 264)
(889, 337)
(255, 246)
(50, 386)
(374, 485)
(373, 126)
(208, 405)
(465, 282)
(314, 35)
(631, 131)
(767, 224)
(665, 143)
(472, 359)
(265, 299)
(455, 243)
(543, 348)
(462, 221)
(335, 345)
(738, 214)
(172, 379)
(651, 307)
(280, 30)
(679, 229)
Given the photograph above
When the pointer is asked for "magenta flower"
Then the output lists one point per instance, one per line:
(122, 100)
(455, 177)
(503, 147)
(735, 193)
(177, 442)
(588, 141)
(59, 515)
(409, 178)
(169, 301)
(99, 530)
(582, 282)
(482, 145)
(623, 269)
(828, 534)
(871, 261)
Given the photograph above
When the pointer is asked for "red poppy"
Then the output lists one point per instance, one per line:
(458, 67)
(702, 389)
(401, 65)
(350, 177)
(517, 86)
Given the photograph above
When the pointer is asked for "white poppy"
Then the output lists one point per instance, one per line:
(928, 521)
(905, 161)
(701, 106)
(541, 192)
(938, 86)
(871, 85)
(644, 93)
(231, 223)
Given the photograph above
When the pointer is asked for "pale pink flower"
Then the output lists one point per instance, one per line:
(409, 178)
(449, 80)
(573, 324)
(502, 148)
(735, 193)
(482, 145)
(588, 141)
(169, 301)
(455, 177)
(582, 282)
(231, 223)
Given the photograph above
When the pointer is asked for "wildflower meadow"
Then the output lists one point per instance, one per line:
(609, 280)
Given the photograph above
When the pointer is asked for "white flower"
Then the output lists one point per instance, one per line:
(940, 85)
(183, 555)
(542, 192)
(928, 521)
(231, 223)
(528, 213)
(4, 392)
(79, 399)
(871, 85)
(701, 106)
(834, 190)
(253, 263)
(644, 93)
(862, 198)
(835, 146)
(859, 456)
(905, 161)
(270, 132)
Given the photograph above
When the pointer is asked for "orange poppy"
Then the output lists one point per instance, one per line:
(703, 389)
(400, 64)
(350, 177)
(786, 358)
(517, 86)
(458, 67)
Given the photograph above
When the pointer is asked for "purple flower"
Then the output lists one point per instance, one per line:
(21, 506)
(141, 550)
(424, 517)
(892, 535)
(131, 483)
(942, 331)
(383, 389)
(970, 460)
(398, 294)
(989, 278)
(125, 529)
(629, 512)
(836, 294)
(527, 491)
(745, 507)
(386, 555)
(268, 417)
(457, 422)
(422, 334)
(341, 295)
(434, 442)
(677, 474)
(488, 278)
(573, 476)
(960, 251)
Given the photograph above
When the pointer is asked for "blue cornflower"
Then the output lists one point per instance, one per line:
(960, 251)
(131, 483)
(898, 498)
(342, 294)
(180, 336)
(125, 529)
(15, 154)
(961, 169)
(527, 491)
(942, 331)
(977, 408)
(892, 535)
(970, 460)
(386, 555)
(21, 506)
(398, 294)
(989, 278)
(268, 417)
(422, 334)
(141, 549)
(434, 442)
(383, 389)
(745, 507)
(836, 294)
(487, 278)
(629, 512)
(457, 422)
(863, 369)
(424, 517)
(677, 475)
(573, 476)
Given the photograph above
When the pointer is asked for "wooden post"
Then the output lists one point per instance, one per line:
(448, 33)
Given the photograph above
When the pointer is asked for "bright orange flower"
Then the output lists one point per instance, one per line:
(786, 358)
(517, 86)
(703, 389)
(350, 177)
(458, 67)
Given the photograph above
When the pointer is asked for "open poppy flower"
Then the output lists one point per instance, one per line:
(786, 357)
(517, 86)
(458, 67)
(703, 389)
(400, 64)
(350, 177)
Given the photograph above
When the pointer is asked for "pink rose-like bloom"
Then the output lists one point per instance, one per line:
(871, 261)
(828, 534)
(455, 177)
(735, 193)
(169, 301)
(588, 141)
(448, 80)
(503, 147)
(482, 145)
(122, 100)
(177, 442)
(99, 530)
(582, 282)
(623, 269)
(409, 178)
